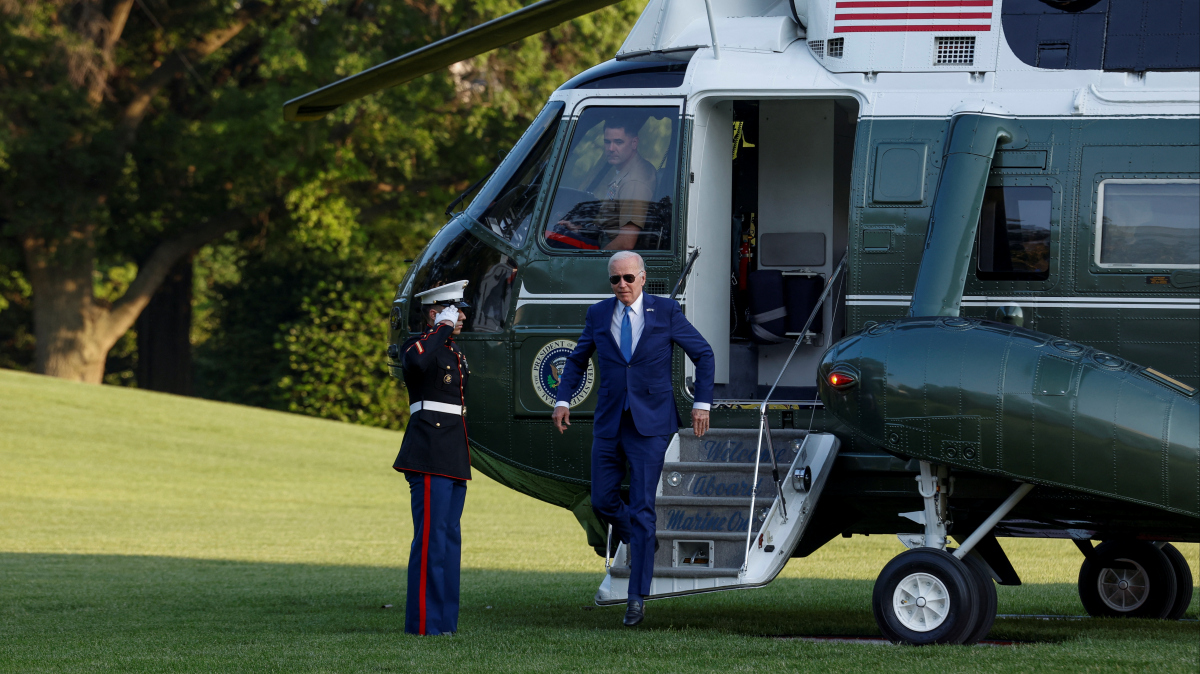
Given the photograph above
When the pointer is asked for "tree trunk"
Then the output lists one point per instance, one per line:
(73, 332)
(65, 315)
(164, 334)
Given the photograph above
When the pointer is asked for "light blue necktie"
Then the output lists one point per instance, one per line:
(627, 337)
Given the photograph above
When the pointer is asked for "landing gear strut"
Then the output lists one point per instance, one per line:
(934, 595)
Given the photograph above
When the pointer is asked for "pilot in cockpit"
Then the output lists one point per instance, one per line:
(624, 190)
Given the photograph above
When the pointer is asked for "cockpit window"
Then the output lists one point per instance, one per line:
(505, 204)
(617, 188)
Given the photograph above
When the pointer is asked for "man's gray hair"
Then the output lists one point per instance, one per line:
(626, 255)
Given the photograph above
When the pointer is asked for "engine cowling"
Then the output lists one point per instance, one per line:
(1009, 401)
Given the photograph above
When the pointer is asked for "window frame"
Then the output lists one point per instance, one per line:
(571, 123)
(1020, 276)
(976, 285)
(1098, 224)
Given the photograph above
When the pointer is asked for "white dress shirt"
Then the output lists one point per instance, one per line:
(637, 321)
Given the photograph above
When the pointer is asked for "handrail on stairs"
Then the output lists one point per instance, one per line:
(764, 427)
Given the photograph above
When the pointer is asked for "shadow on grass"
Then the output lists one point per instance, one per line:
(67, 612)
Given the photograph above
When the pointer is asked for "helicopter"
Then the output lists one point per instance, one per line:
(946, 252)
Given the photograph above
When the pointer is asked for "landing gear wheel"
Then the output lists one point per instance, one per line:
(1127, 579)
(926, 596)
(1183, 581)
(986, 598)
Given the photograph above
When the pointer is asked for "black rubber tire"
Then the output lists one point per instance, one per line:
(1159, 579)
(1183, 581)
(987, 600)
(961, 590)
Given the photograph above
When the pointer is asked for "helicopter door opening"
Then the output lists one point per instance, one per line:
(771, 218)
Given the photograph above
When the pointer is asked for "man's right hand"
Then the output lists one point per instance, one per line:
(449, 316)
(562, 418)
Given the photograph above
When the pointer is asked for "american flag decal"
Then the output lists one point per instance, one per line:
(912, 16)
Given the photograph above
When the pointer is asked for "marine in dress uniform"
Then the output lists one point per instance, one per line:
(436, 461)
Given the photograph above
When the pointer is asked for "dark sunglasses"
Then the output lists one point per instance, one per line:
(616, 278)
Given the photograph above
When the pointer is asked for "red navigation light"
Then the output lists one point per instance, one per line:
(840, 380)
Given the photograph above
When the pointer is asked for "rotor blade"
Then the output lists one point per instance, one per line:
(485, 37)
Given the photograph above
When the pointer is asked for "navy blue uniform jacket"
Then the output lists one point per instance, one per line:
(646, 380)
(435, 442)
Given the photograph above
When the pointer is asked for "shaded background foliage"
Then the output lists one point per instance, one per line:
(289, 310)
(305, 335)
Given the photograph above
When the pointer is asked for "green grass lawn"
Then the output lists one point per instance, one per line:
(147, 532)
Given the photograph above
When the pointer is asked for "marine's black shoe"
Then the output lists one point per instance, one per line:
(635, 613)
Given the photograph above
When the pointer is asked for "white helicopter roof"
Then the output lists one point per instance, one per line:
(915, 66)
(897, 57)
(867, 35)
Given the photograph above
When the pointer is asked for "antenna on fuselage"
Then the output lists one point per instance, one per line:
(483, 38)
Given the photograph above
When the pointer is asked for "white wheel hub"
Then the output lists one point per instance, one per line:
(1123, 589)
(921, 602)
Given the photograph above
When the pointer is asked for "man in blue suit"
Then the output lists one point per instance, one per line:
(633, 334)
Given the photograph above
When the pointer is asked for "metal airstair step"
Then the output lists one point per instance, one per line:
(736, 446)
(715, 535)
(703, 510)
(718, 480)
(675, 572)
(699, 501)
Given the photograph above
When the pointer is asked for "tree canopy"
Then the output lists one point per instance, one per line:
(135, 132)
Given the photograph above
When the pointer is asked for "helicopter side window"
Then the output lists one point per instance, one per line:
(617, 187)
(505, 204)
(1149, 223)
(1014, 234)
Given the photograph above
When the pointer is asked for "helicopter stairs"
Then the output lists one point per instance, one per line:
(703, 510)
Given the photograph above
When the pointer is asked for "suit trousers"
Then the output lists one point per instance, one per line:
(633, 523)
(431, 606)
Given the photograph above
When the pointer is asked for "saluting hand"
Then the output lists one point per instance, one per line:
(562, 418)
(449, 316)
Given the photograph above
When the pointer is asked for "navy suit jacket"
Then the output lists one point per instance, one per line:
(646, 379)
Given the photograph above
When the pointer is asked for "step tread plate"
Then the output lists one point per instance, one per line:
(681, 572)
(732, 466)
(669, 534)
(712, 501)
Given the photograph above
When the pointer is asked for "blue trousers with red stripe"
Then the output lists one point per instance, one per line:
(432, 602)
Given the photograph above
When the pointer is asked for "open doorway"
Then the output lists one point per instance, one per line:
(788, 182)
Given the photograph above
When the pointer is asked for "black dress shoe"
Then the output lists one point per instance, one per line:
(635, 613)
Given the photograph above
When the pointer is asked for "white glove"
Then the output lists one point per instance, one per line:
(448, 315)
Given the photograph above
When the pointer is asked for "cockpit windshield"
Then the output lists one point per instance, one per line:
(505, 204)
(617, 189)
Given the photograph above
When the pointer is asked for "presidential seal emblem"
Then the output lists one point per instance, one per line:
(548, 368)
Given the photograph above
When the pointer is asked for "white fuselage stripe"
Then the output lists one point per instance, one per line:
(1184, 303)
(526, 297)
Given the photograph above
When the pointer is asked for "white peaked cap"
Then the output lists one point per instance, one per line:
(450, 293)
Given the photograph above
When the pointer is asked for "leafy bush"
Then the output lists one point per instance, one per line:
(306, 336)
